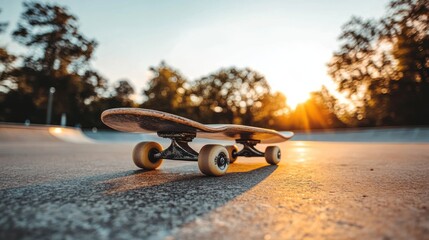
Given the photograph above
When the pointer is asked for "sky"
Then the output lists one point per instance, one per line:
(289, 42)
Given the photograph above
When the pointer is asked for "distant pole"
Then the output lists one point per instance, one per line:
(50, 100)
(63, 119)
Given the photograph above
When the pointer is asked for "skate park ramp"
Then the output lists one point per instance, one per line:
(11, 133)
(42, 133)
(400, 135)
(392, 134)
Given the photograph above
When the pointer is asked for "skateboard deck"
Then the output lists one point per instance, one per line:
(140, 120)
(213, 159)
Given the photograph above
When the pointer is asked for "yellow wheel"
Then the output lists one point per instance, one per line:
(143, 155)
(272, 155)
(232, 150)
(213, 160)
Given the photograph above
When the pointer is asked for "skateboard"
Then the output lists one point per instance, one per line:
(213, 159)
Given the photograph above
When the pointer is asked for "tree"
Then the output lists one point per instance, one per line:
(167, 91)
(123, 92)
(53, 36)
(120, 96)
(382, 66)
(58, 56)
(240, 96)
(409, 27)
(318, 112)
(272, 112)
(6, 62)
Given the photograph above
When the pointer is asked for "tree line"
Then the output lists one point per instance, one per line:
(381, 69)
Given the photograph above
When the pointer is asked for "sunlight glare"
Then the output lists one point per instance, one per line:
(57, 130)
(296, 97)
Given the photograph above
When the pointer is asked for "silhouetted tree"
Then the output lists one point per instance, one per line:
(318, 112)
(167, 91)
(382, 66)
(240, 96)
(120, 96)
(6, 61)
(409, 26)
(272, 112)
(58, 56)
(123, 92)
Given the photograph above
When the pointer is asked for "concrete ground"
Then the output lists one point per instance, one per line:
(320, 190)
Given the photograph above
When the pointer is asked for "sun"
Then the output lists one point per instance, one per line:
(293, 98)
(295, 92)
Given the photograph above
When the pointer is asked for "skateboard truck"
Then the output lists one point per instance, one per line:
(249, 149)
(179, 148)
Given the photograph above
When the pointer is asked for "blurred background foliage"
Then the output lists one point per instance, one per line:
(380, 70)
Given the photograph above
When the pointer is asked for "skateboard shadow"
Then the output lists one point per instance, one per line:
(238, 174)
(131, 204)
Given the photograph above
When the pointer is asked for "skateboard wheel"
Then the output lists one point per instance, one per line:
(143, 155)
(272, 155)
(232, 150)
(213, 160)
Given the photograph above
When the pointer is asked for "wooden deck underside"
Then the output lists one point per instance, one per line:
(140, 120)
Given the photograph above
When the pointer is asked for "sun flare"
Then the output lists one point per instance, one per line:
(297, 97)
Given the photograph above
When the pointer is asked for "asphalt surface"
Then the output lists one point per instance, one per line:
(319, 190)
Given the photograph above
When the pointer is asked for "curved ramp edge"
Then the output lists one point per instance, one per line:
(14, 133)
(73, 135)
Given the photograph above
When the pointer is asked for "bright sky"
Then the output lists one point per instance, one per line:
(289, 41)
